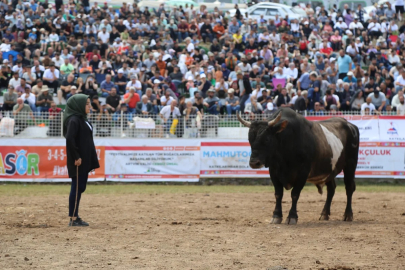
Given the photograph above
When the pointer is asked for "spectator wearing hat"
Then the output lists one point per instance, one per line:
(204, 85)
(341, 26)
(350, 79)
(212, 102)
(44, 100)
(374, 28)
(231, 102)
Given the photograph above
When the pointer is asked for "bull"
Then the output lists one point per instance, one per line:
(297, 151)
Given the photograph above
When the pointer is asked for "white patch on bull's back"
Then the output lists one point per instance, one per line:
(335, 144)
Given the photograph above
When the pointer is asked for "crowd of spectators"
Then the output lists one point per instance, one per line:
(174, 62)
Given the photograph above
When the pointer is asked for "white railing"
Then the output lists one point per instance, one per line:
(122, 125)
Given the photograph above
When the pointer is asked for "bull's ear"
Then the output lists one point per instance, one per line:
(281, 126)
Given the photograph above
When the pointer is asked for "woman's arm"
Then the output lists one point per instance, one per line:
(71, 134)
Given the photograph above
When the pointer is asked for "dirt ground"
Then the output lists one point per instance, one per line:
(201, 231)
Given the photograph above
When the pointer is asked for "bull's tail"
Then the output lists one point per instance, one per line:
(355, 132)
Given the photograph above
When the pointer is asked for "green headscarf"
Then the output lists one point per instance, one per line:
(76, 105)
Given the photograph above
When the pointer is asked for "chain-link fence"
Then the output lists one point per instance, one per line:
(125, 124)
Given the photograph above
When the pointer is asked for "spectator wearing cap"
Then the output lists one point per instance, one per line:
(9, 99)
(51, 77)
(231, 102)
(356, 26)
(212, 102)
(374, 28)
(131, 99)
(341, 26)
(106, 86)
(203, 85)
(73, 91)
(44, 100)
(350, 79)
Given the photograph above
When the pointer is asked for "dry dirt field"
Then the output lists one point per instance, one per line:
(190, 228)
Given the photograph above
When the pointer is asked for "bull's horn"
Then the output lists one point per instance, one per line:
(275, 120)
(244, 122)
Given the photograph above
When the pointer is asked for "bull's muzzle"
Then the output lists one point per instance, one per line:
(255, 164)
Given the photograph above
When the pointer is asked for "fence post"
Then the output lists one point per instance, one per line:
(61, 124)
(122, 123)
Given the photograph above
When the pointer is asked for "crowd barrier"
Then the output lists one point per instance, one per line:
(154, 160)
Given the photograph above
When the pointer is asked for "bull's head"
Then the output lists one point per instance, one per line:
(260, 137)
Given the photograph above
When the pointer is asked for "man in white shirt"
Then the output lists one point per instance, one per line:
(245, 67)
(400, 81)
(354, 25)
(134, 82)
(341, 26)
(5, 46)
(104, 35)
(15, 81)
(58, 60)
(36, 64)
(291, 72)
(368, 105)
(374, 28)
(168, 113)
(51, 77)
(401, 106)
(18, 68)
(29, 97)
(395, 100)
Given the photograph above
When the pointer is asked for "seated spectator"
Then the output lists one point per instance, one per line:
(253, 107)
(65, 88)
(166, 99)
(301, 104)
(190, 112)
(357, 101)
(367, 106)
(15, 81)
(90, 86)
(9, 99)
(106, 86)
(378, 99)
(152, 99)
(232, 102)
(121, 82)
(144, 108)
(44, 100)
(212, 102)
(54, 121)
(21, 111)
(51, 77)
(283, 99)
(21, 88)
(131, 99)
(401, 106)
(134, 82)
(30, 77)
(73, 91)
(66, 68)
(168, 114)
(113, 101)
(395, 100)
(29, 98)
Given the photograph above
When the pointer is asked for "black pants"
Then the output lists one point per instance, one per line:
(7, 107)
(242, 102)
(342, 75)
(54, 85)
(72, 196)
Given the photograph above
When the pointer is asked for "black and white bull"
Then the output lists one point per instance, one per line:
(297, 150)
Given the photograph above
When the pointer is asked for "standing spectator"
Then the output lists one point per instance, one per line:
(344, 64)
(168, 114)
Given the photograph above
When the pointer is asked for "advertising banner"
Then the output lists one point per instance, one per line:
(43, 162)
(381, 160)
(367, 124)
(392, 128)
(228, 159)
(152, 160)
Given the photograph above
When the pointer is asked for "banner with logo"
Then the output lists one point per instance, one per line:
(228, 159)
(134, 160)
(367, 124)
(392, 128)
(44, 161)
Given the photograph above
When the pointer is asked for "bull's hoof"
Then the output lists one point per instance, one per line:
(348, 217)
(291, 221)
(276, 220)
(324, 217)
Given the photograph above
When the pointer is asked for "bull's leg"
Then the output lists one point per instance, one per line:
(292, 218)
(278, 192)
(331, 186)
(350, 185)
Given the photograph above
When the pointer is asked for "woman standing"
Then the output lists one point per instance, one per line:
(81, 152)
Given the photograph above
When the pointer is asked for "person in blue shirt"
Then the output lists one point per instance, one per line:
(304, 82)
(33, 34)
(344, 64)
(350, 78)
(8, 35)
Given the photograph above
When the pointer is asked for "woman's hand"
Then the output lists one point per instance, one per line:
(78, 162)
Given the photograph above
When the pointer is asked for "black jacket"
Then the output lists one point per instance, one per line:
(300, 104)
(80, 144)
(149, 108)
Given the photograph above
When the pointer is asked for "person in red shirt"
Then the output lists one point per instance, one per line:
(89, 55)
(182, 31)
(326, 50)
(131, 99)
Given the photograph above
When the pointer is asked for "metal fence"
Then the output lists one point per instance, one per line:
(121, 125)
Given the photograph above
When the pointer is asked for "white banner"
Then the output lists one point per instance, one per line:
(392, 128)
(134, 160)
(228, 159)
(368, 125)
